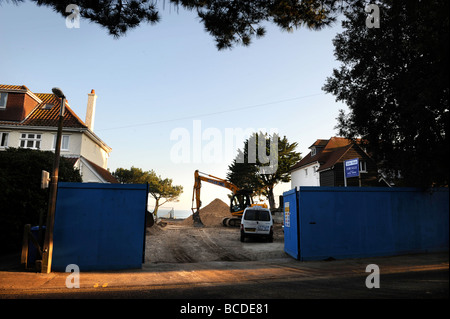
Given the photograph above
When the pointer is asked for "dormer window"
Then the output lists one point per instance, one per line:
(47, 106)
(3, 100)
(313, 151)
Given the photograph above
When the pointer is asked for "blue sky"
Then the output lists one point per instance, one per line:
(166, 76)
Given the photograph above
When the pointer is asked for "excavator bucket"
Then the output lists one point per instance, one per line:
(197, 220)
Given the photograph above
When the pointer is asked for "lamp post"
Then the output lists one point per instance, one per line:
(48, 242)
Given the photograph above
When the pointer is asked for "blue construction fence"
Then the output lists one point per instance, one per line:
(356, 222)
(99, 226)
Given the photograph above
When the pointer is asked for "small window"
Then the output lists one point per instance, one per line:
(30, 140)
(47, 106)
(64, 142)
(306, 172)
(3, 139)
(255, 214)
(363, 166)
(313, 151)
(3, 100)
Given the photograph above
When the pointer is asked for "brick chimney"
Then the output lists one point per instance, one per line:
(90, 112)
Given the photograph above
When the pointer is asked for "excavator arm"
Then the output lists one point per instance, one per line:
(240, 199)
(196, 202)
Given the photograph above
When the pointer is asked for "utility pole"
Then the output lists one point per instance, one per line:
(48, 243)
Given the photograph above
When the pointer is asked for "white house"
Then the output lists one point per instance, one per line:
(305, 172)
(29, 120)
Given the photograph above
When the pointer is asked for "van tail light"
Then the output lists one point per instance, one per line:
(242, 226)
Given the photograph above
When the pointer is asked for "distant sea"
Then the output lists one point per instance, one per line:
(178, 213)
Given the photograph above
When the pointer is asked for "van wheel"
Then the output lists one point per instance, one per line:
(242, 236)
(270, 238)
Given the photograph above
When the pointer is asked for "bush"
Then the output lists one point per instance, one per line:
(21, 198)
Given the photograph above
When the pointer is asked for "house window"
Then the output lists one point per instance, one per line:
(30, 140)
(313, 151)
(64, 142)
(306, 172)
(363, 166)
(3, 139)
(3, 100)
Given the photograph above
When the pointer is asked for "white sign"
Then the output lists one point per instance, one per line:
(287, 215)
(351, 162)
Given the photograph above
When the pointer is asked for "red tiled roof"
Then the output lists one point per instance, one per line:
(40, 116)
(49, 117)
(322, 143)
(13, 87)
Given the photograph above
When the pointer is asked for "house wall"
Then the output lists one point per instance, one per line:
(93, 152)
(79, 145)
(47, 138)
(300, 178)
(18, 106)
(327, 178)
(87, 173)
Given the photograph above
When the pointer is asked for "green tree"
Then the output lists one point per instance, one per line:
(230, 22)
(130, 176)
(395, 82)
(161, 189)
(22, 200)
(248, 171)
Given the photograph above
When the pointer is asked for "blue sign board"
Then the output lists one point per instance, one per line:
(351, 168)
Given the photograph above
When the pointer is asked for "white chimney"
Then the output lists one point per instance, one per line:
(90, 112)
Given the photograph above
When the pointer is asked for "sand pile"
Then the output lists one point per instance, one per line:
(212, 214)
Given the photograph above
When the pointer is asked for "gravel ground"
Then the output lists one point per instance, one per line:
(178, 243)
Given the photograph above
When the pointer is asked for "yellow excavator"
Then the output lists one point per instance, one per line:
(240, 200)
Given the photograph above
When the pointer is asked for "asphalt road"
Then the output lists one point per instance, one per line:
(285, 288)
(406, 285)
(272, 299)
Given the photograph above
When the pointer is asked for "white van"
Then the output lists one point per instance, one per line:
(257, 221)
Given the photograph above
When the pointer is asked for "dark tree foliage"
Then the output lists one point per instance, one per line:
(395, 81)
(247, 172)
(21, 196)
(230, 22)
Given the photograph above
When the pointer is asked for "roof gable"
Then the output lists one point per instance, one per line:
(328, 154)
(101, 172)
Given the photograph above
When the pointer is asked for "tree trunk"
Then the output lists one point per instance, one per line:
(155, 211)
(271, 198)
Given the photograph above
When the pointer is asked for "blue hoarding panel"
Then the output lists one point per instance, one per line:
(99, 226)
(291, 230)
(358, 222)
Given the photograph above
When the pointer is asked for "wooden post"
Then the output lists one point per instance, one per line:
(46, 265)
(24, 256)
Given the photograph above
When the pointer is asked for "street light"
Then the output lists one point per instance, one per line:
(48, 243)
